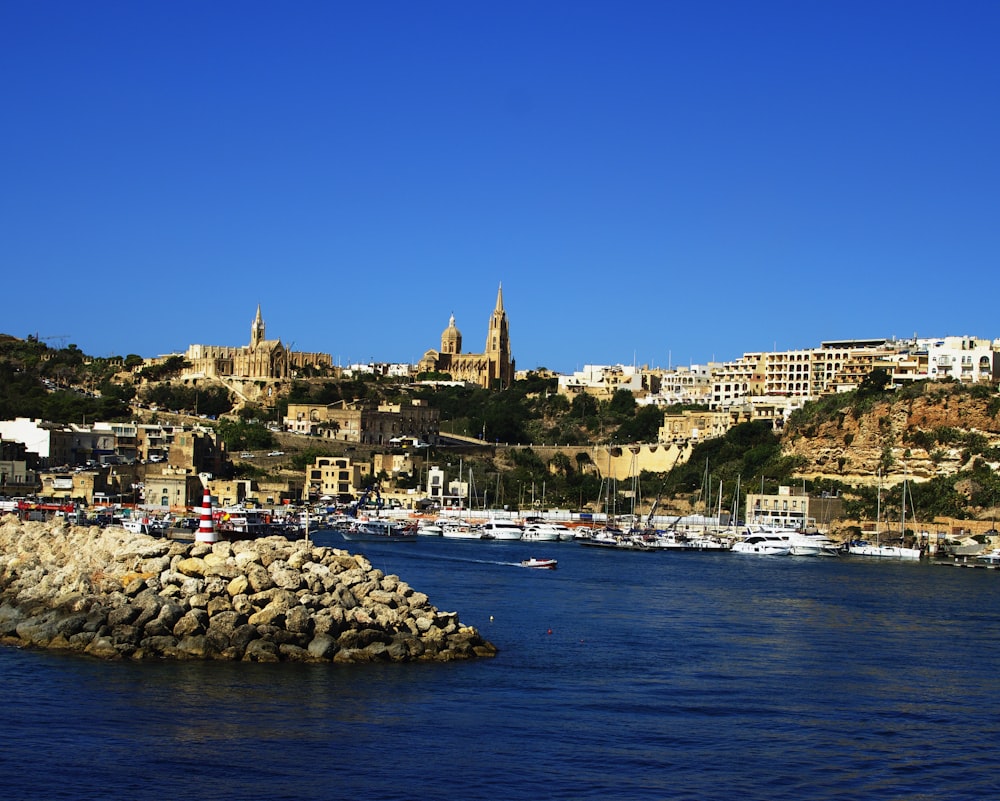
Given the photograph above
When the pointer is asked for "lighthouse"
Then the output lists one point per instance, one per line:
(206, 530)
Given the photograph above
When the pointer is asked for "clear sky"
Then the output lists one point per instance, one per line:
(665, 182)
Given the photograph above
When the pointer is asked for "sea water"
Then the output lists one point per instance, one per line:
(621, 675)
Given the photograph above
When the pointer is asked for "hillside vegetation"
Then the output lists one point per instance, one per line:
(942, 436)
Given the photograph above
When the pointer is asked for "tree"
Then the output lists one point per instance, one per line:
(643, 426)
(874, 383)
(240, 435)
(584, 405)
(622, 403)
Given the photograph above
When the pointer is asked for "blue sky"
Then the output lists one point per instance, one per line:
(652, 182)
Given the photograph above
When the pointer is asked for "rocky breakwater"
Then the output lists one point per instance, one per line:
(112, 594)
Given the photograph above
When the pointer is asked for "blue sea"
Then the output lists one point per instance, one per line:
(621, 675)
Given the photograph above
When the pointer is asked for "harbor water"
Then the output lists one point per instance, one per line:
(621, 675)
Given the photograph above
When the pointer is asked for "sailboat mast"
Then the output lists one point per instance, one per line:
(902, 517)
(878, 507)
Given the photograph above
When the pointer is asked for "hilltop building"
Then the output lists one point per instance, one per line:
(365, 423)
(602, 381)
(840, 366)
(492, 369)
(262, 359)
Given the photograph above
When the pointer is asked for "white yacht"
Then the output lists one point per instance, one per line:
(814, 543)
(546, 532)
(497, 529)
(866, 548)
(764, 543)
(430, 528)
(460, 530)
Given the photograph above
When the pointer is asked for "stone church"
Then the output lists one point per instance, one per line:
(262, 359)
(492, 369)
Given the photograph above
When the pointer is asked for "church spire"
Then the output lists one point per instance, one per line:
(498, 346)
(257, 329)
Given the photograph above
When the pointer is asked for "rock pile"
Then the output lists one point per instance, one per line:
(113, 594)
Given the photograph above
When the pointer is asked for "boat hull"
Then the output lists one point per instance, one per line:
(540, 564)
(378, 531)
(884, 551)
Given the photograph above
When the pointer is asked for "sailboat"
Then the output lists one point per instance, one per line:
(866, 548)
(610, 535)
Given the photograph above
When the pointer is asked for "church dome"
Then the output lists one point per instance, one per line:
(451, 339)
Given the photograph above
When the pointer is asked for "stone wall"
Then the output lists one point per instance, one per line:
(112, 594)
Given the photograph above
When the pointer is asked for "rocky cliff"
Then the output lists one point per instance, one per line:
(112, 594)
(918, 436)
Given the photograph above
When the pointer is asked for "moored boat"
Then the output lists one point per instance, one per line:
(866, 548)
(379, 530)
(546, 532)
(762, 543)
(499, 529)
(615, 539)
(460, 530)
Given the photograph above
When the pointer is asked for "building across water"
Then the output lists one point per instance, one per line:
(262, 359)
(492, 369)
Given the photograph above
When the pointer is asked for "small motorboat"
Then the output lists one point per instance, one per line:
(544, 564)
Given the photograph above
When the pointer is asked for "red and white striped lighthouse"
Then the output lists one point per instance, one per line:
(206, 531)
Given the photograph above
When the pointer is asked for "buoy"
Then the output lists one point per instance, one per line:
(550, 631)
(206, 530)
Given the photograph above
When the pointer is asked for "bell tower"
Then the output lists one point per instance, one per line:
(257, 330)
(501, 366)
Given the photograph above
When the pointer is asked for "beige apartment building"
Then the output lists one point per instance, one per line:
(173, 488)
(792, 507)
(337, 478)
(602, 381)
(839, 366)
(692, 426)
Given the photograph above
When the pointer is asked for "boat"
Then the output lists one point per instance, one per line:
(812, 543)
(610, 536)
(145, 525)
(499, 529)
(430, 528)
(866, 548)
(543, 564)
(877, 549)
(378, 530)
(546, 532)
(706, 542)
(800, 543)
(615, 539)
(460, 530)
(674, 540)
(763, 543)
(239, 522)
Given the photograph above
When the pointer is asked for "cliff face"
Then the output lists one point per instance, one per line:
(923, 437)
